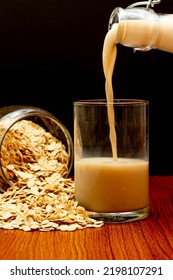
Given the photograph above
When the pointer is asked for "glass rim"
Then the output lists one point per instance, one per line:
(116, 101)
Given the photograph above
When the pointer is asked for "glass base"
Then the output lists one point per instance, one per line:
(121, 217)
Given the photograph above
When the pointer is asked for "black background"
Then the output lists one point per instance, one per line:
(51, 55)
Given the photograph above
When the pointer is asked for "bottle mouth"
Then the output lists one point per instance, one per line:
(119, 14)
(114, 17)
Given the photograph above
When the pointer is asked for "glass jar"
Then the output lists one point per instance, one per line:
(25, 127)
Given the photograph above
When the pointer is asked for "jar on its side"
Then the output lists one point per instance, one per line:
(31, 137)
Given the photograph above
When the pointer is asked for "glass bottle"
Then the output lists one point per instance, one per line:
(142, 29)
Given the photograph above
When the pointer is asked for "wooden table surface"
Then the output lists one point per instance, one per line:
(148, 239)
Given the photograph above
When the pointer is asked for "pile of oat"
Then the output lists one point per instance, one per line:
(40, 198)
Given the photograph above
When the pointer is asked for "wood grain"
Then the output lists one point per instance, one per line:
(148, 239)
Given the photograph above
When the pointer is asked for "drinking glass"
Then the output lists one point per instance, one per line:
(111, 159)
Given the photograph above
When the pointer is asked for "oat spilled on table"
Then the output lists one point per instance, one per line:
(41, 197)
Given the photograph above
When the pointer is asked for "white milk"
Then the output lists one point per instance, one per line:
(104, 185)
